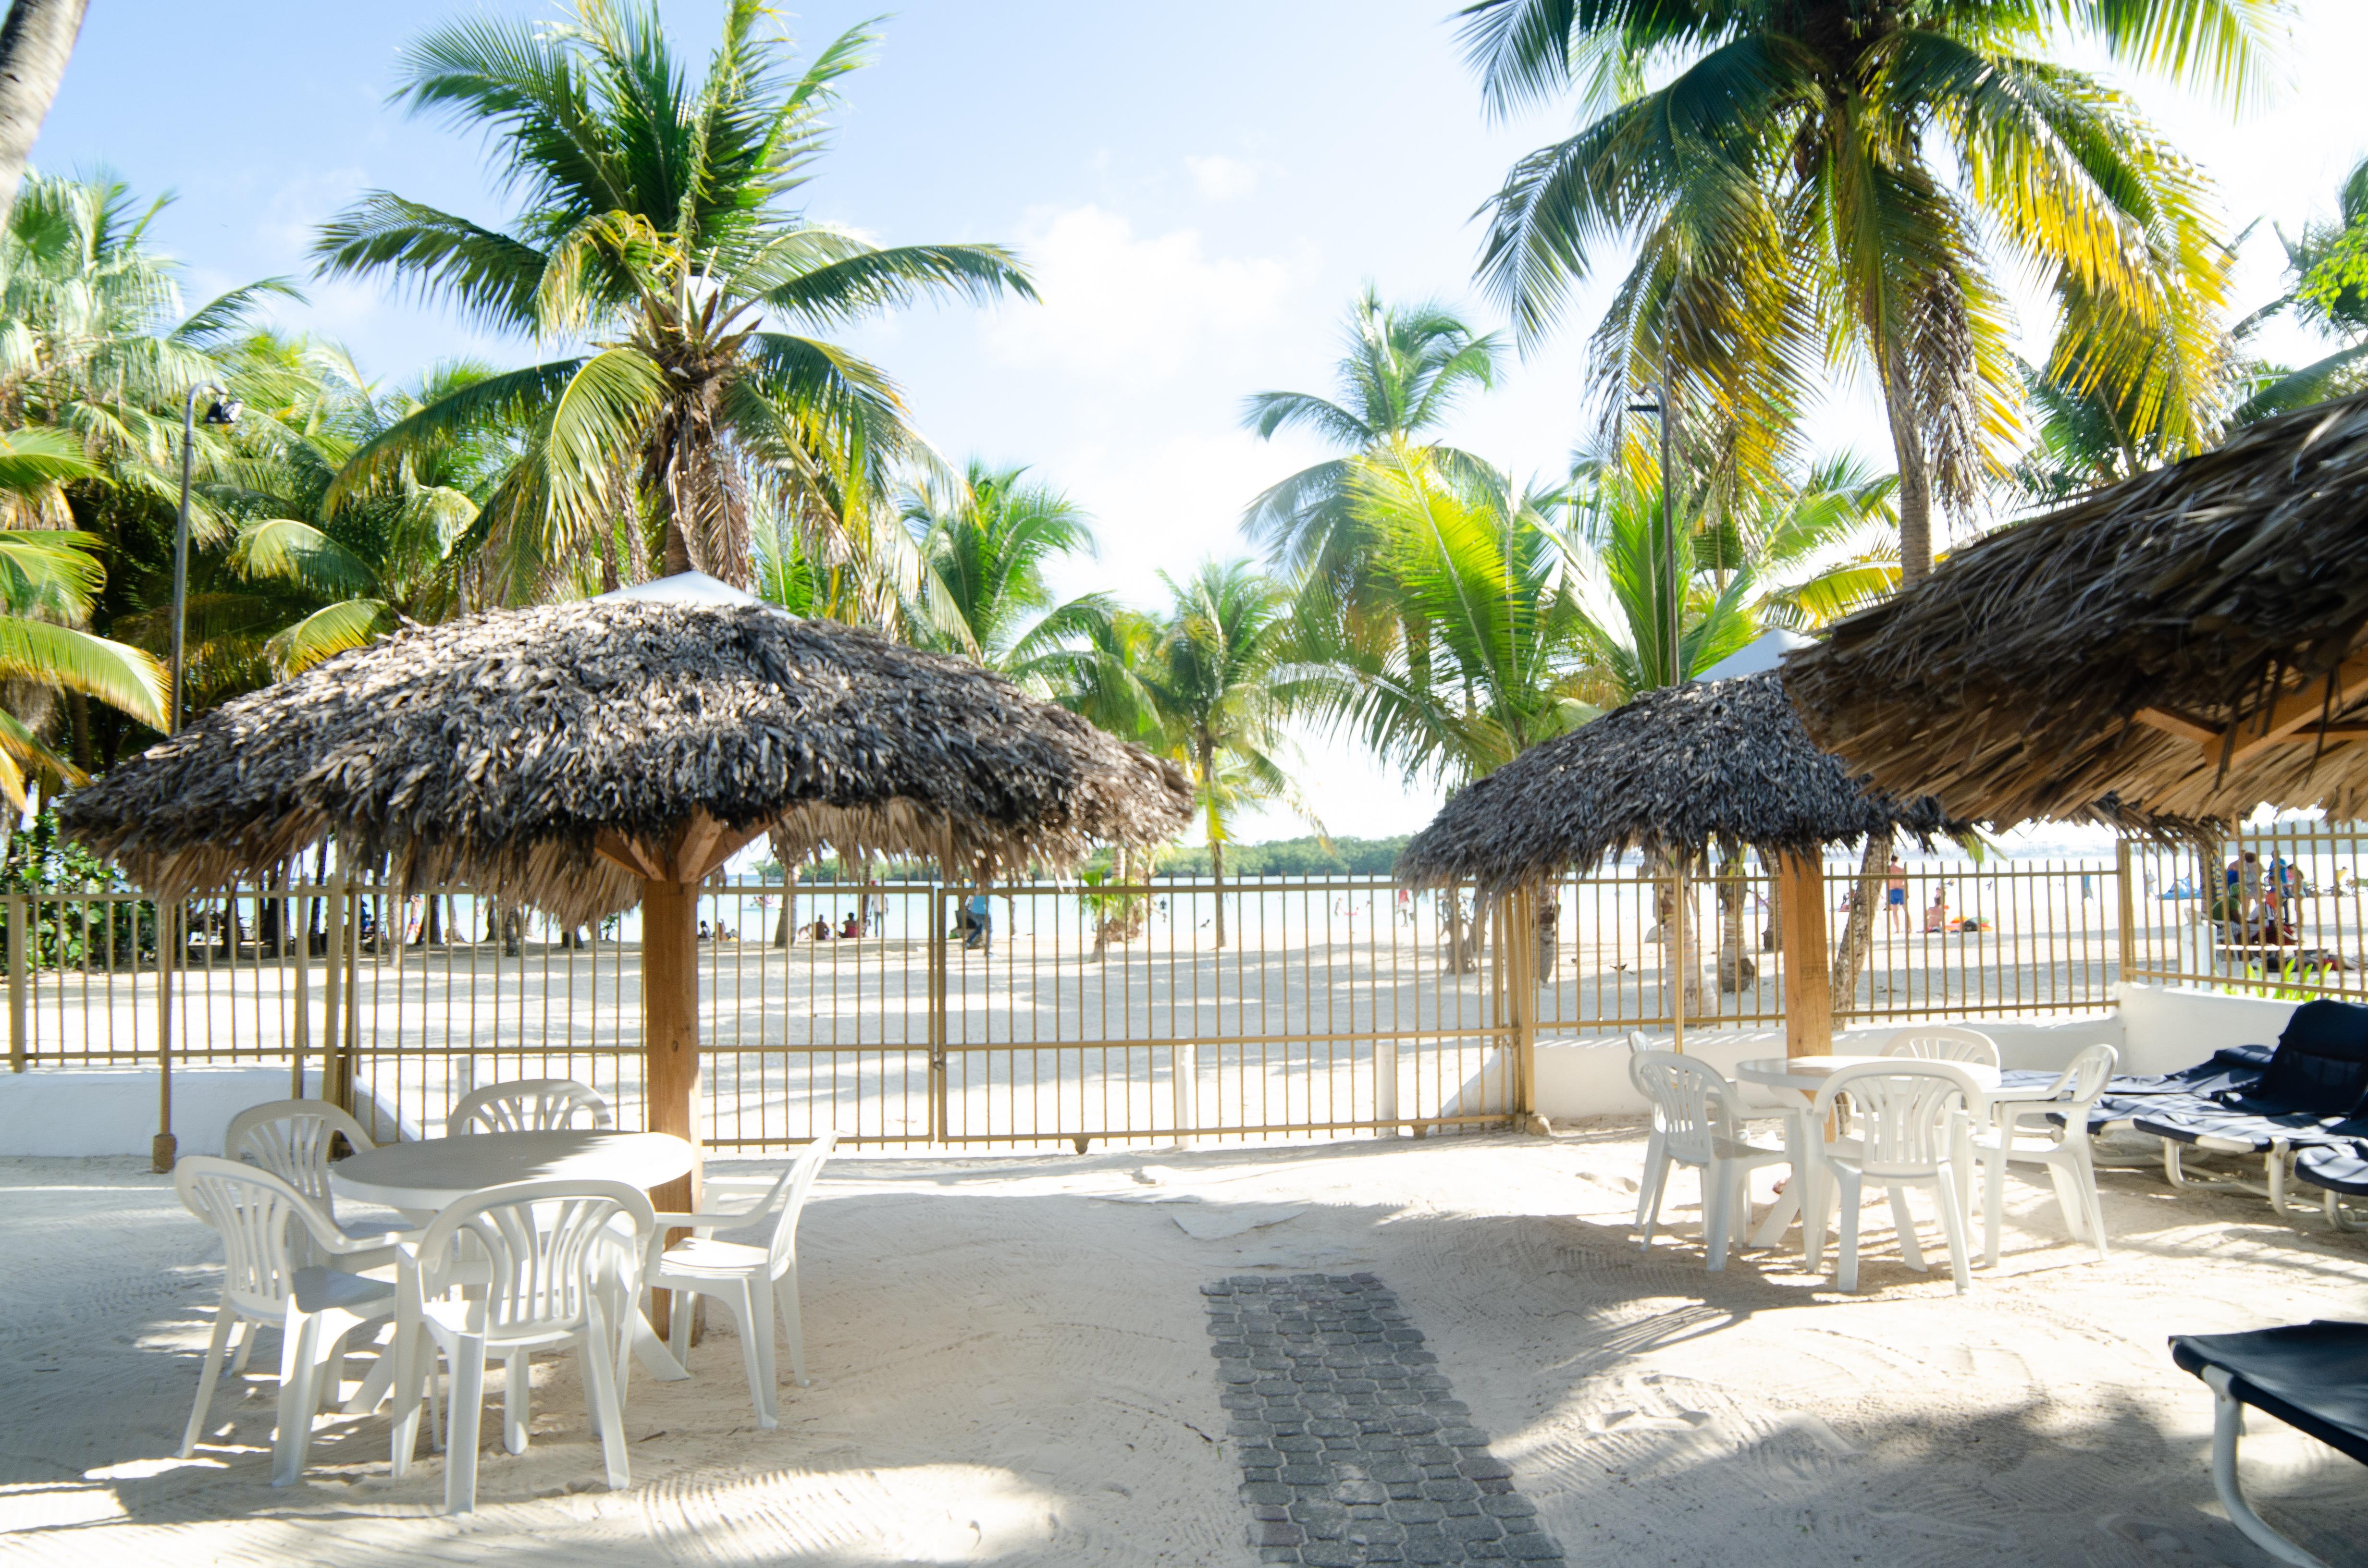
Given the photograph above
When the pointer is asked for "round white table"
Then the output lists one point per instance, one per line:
(421, 1178)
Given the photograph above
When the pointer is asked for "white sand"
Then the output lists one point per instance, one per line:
(1012, 1367)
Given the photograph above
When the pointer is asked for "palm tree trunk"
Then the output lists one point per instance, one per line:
(1915, 473)
(1866, 896)
(1216, 833)
(35, 43)
(1732, 955)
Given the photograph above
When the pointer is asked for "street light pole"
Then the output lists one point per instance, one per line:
(223, 411)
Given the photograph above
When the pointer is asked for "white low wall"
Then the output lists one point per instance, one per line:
(82, 1111)
(2157, 1030)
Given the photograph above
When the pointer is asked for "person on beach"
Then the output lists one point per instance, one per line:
(1936, 917)
(1895, 894)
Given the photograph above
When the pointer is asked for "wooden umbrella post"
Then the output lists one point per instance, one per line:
(670, 1025)
(1808, 990)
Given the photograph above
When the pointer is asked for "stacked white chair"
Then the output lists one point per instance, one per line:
(265, 1283)
(2053, 1132)
(529, 1105)
(1911, 1132)
(291, 1139)
(1695, 1114)
(1943, 1042)
(540, 1265)
(755, 1282)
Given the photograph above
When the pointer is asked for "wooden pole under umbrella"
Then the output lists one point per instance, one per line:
(1808, 990)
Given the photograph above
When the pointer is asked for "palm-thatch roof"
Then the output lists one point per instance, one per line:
(1676, 769)
(2190, 639)
(512, 748)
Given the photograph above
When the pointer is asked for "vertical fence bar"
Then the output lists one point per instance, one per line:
(19, 933)
(2125, 911)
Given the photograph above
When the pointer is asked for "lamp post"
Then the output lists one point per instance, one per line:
(224, 410)
(1662, 405)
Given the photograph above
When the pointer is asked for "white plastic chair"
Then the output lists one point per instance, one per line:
(1911, 1129)
(313, 1307)
(1695, 1109)
(2063, 1150)
(291, 1139)
(540, 1261)
(1646, 1191)
(755, 1282)
(527, 1105)
(1942, 1043)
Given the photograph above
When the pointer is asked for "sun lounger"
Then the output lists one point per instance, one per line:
(2312, 1376)
(2338, 1170)
(2236, 1068)
(2305, 1097)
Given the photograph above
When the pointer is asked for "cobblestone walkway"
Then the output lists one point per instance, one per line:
(1353, 1448)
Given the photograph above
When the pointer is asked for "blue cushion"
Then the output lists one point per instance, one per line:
(2321, 1066)
(2338, 1168)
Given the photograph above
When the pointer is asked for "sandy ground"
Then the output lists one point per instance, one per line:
(1012, 1367)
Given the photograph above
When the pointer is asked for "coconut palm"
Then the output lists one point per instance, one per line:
(1222, 686)
(1815, 181)
(652, 224)
(35, 43)
(1481, 661)
(402, 548)
(1405, 369)
(983, 543)
(48, 578)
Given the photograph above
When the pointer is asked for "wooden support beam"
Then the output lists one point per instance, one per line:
(2295, 710)
(725, 847)
(1808, 988)
(691, 846)
(626, 854)
(2186, 726)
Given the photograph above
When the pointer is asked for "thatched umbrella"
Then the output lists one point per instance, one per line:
(1670, 773)
(584, 758)
(2191, 639)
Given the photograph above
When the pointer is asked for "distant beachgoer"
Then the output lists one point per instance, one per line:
(1895, 893)
(1936, 915)
(705, 935)
(851, 927)
(982, 920)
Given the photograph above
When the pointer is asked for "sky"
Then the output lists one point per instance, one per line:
(1199, 191)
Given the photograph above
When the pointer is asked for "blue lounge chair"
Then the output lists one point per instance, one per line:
(2306, 1097)
(2312, 1376)
(2338, 1170)
(2236, 1068)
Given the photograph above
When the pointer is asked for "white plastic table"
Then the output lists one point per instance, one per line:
(1807, 1076)
(422, 1177)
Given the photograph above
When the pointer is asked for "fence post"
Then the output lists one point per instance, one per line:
(937, 1084)
(1521, 952)
(295, 921)
(165, 1148)
(2127, 912)
(336, 1087)
(19, 934)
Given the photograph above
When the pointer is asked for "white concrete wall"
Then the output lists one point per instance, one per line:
(112, 1111)
(2157, 1030)
(2171, 1027)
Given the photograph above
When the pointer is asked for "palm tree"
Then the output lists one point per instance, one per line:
(1405, 369)
(983, 544)
(48, 578)
(402, 548)
(35, 43)
(654, 222)
(1815, 180)
(1222, 689)
(1481, 661)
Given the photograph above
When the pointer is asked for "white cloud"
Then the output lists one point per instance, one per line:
(1221, 179)
(1116, 303)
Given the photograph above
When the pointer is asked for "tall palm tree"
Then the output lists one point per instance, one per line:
(1220, 683)
(983, 544)
(1484, 661)
(35, 43)
(1815, 181)
(654, 226)
(1405, 369)
(48, 579)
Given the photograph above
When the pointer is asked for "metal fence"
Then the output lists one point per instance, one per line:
(1081, 1014)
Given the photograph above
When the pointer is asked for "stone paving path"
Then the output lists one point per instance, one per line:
(1353, 1448)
